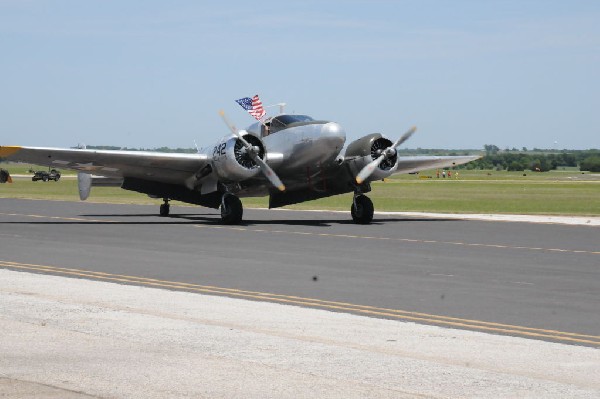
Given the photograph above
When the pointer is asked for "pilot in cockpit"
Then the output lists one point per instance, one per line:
(265, 128)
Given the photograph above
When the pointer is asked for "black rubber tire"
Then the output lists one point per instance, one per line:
(45, 178)
(363, 212)
(164, 209)
(233, 211)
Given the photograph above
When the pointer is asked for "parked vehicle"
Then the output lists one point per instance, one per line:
(5, 176)
(45, 176)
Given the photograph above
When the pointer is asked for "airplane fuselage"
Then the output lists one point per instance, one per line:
(305, 146)
(310, 144)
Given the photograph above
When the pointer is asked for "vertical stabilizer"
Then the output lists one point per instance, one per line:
(84, 182)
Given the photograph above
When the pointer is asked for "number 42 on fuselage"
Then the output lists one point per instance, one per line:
(290, 158)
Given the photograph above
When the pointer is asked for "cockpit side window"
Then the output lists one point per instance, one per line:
(277, 125)
(265, 129)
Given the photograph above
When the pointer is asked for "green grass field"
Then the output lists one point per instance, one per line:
(567, 192)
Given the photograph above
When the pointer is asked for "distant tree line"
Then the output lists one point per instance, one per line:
(536, 159)
(591, 163)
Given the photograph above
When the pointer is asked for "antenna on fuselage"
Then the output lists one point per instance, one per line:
(280, 105)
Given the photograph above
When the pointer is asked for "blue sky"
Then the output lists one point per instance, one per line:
(153, 73)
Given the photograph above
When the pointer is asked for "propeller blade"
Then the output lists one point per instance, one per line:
(264, 168)
(388, 152)
(368, 170)
(240, 135)
(230, 125)
(269, 173)
(405, 137)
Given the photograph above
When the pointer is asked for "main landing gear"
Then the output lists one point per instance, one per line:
(362, 209)
(231, 209)
(165, 208)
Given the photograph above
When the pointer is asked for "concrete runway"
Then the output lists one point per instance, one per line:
(74, 338)
(523, 279)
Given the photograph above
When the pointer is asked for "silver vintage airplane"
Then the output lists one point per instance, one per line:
(290, 158)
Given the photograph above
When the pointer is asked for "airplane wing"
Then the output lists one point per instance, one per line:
(413, 164)
(155, 166)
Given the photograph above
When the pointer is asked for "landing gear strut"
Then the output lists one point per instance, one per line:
(165, 208)
(231, 209)
(362, 209)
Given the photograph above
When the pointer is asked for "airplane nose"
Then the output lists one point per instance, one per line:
(333, 134)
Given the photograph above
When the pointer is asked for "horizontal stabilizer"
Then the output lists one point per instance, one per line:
(101, 181)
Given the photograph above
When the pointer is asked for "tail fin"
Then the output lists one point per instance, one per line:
(84, 183)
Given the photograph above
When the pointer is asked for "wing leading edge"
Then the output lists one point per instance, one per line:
(156, 166)
(413, 164)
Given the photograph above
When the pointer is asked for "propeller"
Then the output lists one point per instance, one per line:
(253, 152)
(230, 125)
(385, 154)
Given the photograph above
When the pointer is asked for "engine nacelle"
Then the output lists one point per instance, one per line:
(365, 150)
(231, 161)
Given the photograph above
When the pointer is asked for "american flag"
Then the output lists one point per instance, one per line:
(253, 106)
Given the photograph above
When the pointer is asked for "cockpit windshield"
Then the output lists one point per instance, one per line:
(283, 121)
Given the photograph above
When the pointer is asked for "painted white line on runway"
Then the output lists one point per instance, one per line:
(409, 240)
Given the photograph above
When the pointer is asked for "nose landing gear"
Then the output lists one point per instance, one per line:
(362, 209)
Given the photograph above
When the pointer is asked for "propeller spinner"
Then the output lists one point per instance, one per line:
(385, 154)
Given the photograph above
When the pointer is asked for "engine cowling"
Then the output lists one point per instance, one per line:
(231, 161)
(365, 150)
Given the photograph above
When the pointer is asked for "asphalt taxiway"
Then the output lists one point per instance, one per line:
(532, 280)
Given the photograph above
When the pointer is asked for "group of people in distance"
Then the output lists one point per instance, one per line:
(449, 174)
